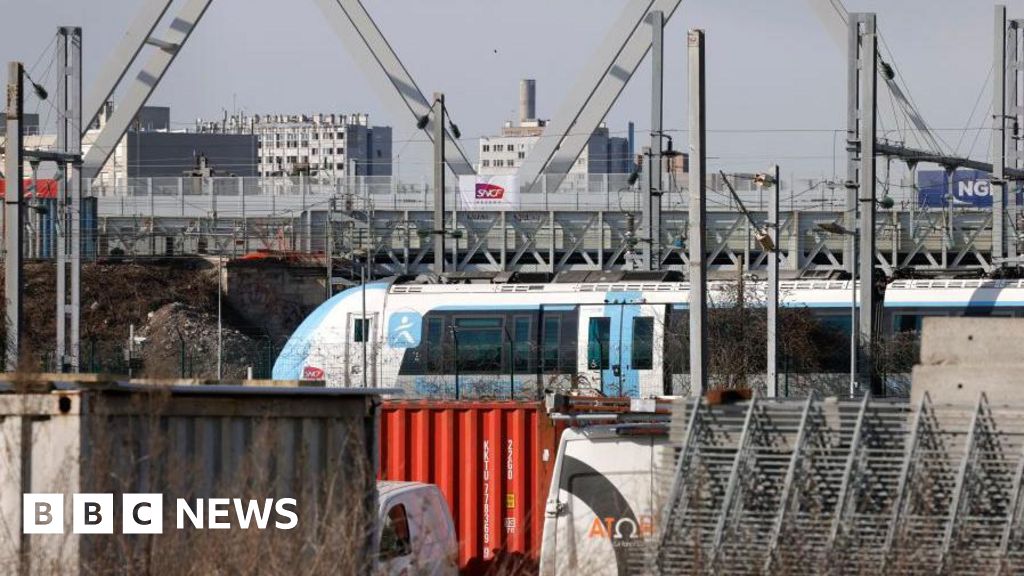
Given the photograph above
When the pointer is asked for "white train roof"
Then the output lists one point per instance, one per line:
(977, 293)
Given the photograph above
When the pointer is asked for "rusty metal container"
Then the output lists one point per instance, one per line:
(316, 445)
(493, 462)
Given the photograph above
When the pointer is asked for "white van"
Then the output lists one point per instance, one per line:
(417, 535)
(602, 505)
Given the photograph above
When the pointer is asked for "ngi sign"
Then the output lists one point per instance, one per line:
(970, 188)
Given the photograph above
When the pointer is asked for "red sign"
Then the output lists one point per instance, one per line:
(486, 191)
(312, 373)
(46, 188)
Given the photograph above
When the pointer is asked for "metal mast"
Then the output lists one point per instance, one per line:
(652, 256)
(772, 369)
(13, 213)
(69, 234)
(999, 118)
(860, 182)
(698, 217)
(439, 168)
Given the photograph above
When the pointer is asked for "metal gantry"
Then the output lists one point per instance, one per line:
(826, 486)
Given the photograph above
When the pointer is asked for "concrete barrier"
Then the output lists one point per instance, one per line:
(963, 357)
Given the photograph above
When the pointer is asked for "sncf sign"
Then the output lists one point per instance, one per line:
(488, 192)
(485, 191)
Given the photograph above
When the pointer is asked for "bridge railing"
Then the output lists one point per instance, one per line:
(266, 196)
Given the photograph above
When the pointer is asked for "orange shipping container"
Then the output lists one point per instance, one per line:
(493, 462)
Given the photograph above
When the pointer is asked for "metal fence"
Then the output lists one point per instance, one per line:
(267, 196)
(837, 487)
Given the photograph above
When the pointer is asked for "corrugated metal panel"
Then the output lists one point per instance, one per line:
(188, 442)
(493, 462)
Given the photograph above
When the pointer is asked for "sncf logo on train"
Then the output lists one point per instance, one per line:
(312, 373)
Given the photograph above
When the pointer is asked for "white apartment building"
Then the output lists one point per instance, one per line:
(331, 145)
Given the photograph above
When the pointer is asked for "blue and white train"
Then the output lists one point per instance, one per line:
(497, 339)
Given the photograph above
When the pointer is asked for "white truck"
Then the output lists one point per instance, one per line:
(602, 505)
(417, 534)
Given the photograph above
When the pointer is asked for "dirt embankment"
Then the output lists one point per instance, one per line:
(172, 305)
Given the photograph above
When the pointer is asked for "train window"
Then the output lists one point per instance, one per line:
(359, 328)
(642, 357)
(677, 342)
(434, 345)
(521, 352)
(598, 344)
(549, 351)
(478, 343)
(906, 323)
(838, 323)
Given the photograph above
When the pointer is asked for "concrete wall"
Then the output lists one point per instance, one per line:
(963, 357)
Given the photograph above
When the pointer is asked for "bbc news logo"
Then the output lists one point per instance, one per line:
(143, 513)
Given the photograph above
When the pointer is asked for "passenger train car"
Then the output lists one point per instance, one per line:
(613, 337)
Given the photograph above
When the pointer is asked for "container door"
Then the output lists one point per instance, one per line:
(360, 350)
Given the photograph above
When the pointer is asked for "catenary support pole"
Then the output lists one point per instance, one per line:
(697, 216)
(13, 213)
(439, 168)
(852, 134)
(999, 120)
(772, 377)
(652, 255)
(69, 232)
(866, 200)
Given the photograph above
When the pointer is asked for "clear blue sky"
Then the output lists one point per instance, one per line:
(771, 65)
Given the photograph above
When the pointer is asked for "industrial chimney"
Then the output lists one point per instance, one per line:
(527, 100)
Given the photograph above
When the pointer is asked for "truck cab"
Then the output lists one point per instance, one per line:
(417, 535)
(602, 506)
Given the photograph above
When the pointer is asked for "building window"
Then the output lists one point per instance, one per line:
(522, 155)
(485, 163)
(643, 343)
(599, 335)
(486, 148)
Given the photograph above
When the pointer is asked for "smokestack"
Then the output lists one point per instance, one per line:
(527, 100)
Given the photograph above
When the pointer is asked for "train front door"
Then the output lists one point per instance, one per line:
(360, 353)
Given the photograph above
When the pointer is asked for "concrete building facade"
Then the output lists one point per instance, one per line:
(332, 145)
